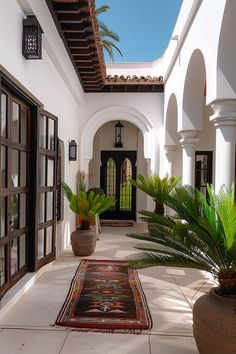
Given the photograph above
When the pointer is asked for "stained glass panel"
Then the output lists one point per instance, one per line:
(125, 185)
(111, 180)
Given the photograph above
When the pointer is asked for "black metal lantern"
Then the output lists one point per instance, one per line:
(118, 142)
(32, 38)
(72, 151)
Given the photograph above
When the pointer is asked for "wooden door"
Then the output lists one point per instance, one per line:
(116, 170)
(46, 188)
(15, 157)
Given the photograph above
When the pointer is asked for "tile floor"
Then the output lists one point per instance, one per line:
(28, 328)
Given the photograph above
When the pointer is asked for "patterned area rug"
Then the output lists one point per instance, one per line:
(105, 296)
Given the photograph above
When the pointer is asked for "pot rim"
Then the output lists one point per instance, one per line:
(218, 297)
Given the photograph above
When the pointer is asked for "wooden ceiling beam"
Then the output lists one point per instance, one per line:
(89, 70)
(84, 26)
(86, 75)
(84, 57)
(82, 52)
(81, 44)
(79, 36)
(68, 7)
(73, 18)
(88, 64)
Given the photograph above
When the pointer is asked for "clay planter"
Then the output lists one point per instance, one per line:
(214, 324)
(83, 242)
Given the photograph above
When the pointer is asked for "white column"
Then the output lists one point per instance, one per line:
(224, 119)
(170, 151)
(188, 142)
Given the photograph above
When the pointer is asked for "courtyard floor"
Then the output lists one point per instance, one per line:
(28, 328)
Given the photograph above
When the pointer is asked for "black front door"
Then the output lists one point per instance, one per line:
(116, 170)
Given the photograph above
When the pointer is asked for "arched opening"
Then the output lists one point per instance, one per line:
(198, 134)
(172, 148)
(226, 73)
(194, 98)
(111, 169)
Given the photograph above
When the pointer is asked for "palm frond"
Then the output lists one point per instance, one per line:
(101, 9)
(106, 33)
(107, 43)
(153, 259)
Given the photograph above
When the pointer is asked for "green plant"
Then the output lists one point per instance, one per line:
(87, 205)
(80, 182)
(107, 36)
(156, 187)
(204, 238)
(96, 190)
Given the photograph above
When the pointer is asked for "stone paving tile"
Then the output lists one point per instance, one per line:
(16, 341)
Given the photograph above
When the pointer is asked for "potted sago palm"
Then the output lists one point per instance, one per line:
(157, 188)
(86, 205)
(202, 235)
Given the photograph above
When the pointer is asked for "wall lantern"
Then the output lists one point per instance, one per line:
(32, 38)
(118, 142)
(72, 151)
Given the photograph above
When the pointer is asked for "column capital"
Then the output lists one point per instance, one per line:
(188, 137)
(224, 112)
(170, 148)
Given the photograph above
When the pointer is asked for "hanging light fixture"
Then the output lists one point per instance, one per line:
(32, 38)
(118, 141)
(72, 151)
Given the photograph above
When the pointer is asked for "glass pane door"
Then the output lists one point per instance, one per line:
(47, 188)
(15, 189)
(116, 170)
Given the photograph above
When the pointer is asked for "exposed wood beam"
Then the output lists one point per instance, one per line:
(69, 7)
(89, 70)
(81, 36)
(86, 65)
(81, 44)
(86, 75)
(73, 18)
(84, 26)
(85, 57)
(82, 51)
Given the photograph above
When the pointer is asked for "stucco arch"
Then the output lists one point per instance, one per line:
(193, 93)
(171, 122)
(114, 113)
(226, 58)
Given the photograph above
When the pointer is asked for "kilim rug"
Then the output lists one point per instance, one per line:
(105, 296)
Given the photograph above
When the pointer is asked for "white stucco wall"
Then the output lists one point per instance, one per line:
(51, 80)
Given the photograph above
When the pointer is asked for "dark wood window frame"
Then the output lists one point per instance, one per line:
(60, 179)
(208, 168)
(16, 90)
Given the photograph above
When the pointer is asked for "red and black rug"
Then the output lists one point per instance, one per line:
(105, 296)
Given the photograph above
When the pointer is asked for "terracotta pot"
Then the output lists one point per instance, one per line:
(83, 242)
(214, 324)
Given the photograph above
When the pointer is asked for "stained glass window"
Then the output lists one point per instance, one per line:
(111, 180)
(125, 185)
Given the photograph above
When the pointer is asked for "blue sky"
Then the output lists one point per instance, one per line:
(144, 26)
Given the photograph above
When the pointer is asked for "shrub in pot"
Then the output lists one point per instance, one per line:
(204, 238)
(157, 188)
(86, 205)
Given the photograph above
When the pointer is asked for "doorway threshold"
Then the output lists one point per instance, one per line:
(117, 223)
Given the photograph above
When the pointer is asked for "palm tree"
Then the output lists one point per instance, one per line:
(156, 187)
(205, 238)
(107, 36)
